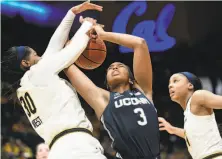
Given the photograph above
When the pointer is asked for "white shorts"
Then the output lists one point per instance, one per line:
(76, 145)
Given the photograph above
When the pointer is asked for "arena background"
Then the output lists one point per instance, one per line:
(182, 36)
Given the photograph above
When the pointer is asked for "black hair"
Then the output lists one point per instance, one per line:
(131, 77)
(194, 80)
(11, 65)
(13, 57)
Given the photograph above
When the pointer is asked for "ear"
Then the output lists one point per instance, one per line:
(190, 86)
(25, 63)
(131, 82)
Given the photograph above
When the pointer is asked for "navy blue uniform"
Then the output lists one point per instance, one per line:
(132, 123)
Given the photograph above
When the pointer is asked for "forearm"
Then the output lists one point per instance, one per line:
(60, 36)
(178, 131)
(73, 50)
(53, 65)
(126, 40)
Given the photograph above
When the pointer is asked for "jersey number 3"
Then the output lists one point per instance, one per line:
(143, 120)
(28, 104)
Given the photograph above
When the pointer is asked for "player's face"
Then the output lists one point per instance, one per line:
(117, 73)
(33, 57)
(42, 151)
(178, 86)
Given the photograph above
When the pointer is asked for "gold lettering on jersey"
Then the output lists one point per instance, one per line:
(36, 122)
(186, 139)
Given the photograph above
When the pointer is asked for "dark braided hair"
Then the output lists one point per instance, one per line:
(13, 57)
(11, 64)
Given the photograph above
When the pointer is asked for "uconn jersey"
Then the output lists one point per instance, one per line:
(132, 123)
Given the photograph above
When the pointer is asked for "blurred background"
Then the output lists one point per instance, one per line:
(182, 36)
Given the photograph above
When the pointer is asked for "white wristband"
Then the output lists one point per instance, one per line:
(86, 26)
(71, 14)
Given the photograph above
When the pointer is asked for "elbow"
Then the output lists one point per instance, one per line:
(141, 42)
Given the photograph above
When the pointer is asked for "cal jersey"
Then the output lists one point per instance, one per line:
(51, 103)
(51, 108)
(132, 123)
(202, 135)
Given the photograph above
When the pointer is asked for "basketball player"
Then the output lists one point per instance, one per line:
(200, 128)
(51, 103)
(42, 151)
(126, 109)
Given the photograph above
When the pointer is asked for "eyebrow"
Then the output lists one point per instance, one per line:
(172, 79)
(118, 64)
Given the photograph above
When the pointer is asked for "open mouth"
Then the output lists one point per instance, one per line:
(114, 73)
(172, 93)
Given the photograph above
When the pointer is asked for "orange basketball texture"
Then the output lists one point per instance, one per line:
(93, 56)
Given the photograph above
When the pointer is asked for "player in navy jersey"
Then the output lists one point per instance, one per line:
(126, 109)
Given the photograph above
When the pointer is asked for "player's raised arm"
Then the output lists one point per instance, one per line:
(164, 125)
(141, 63)
(207, 99)
(68, 55)
(96, 97)
(60, 36)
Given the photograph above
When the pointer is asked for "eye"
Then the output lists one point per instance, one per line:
(174, 81)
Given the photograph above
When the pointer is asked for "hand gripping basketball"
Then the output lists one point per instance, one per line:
(93, 56)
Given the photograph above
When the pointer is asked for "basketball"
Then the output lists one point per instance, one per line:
(93, 56)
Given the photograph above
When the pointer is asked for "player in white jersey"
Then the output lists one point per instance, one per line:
(51, 103)
(200, 128)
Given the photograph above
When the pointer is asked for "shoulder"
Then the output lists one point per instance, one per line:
(25, 78)
(198, 102)
(149, 95)
(105, 94)
(198, 97)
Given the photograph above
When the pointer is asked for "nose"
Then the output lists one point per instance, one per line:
(170, 85)
(115, 67)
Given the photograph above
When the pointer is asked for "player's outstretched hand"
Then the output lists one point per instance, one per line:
(164, 125)
(91, 20)
(86, 6)
(98, 28)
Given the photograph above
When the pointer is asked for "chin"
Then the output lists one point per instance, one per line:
(117, 79)
(173, 99)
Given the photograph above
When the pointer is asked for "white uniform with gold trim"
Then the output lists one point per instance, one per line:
(202, 134)
(51, 103)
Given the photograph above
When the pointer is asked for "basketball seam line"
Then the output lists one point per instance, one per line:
(90, 60)
(80, 64)
(96, 49)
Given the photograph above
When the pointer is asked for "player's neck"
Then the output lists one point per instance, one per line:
(37, 60)
(183, 101)
(120, 88)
